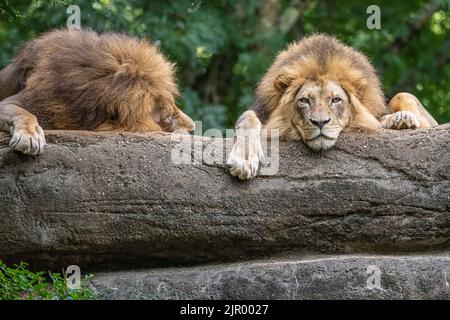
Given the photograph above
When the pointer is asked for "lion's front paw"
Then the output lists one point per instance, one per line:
(244, 158)
(400, 120)
(30, 141)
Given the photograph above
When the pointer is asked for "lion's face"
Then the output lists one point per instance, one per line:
(176, 120)
(321, 111)
(170, 118)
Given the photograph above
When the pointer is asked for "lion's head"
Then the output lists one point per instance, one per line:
(316, 88)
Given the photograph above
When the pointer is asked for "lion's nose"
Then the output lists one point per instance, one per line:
(320, 123)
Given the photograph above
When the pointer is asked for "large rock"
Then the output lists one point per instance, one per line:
(114, 200)
(332, 277)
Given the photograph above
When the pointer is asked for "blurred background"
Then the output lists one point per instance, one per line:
(222, 48)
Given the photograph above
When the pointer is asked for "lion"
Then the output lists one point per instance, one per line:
(315, 89)
(81, 80)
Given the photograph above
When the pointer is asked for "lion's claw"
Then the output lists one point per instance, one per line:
(29, 141)
(400, 120)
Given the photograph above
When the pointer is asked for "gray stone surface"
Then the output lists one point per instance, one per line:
(331, 277)
(117, 200)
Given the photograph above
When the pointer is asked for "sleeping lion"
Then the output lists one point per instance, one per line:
(78, 79)
(315, 89)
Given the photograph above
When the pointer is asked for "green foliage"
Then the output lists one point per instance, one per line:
(223, 47)
(19, 283)
(9, 12)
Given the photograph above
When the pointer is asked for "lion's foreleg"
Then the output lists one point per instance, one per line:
(27, 136)
(407, 113)
(247, 152)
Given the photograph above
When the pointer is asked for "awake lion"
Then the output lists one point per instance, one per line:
(315, 89)
(78, 79)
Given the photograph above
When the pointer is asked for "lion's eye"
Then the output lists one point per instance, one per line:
(336, 100)
(305, 100)
(169, 119)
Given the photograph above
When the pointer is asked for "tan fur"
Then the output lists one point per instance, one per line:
(73, 79)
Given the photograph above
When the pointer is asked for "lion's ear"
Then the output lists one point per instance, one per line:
(281, 83)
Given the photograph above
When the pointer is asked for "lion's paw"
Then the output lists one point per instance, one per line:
(400, 120)
(244, 158)
(30, 141)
